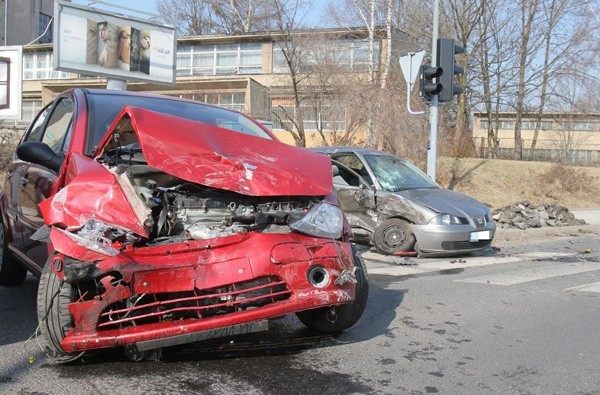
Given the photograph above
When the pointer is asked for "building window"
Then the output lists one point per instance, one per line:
(582, 126)
(233, 101)
(4, 83)
(38, 66)
(528, 125)
(45, 29)
(341, 55)
(30, 108)
(240, 58)
(321, 115)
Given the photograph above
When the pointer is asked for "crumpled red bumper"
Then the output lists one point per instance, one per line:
(165, 291)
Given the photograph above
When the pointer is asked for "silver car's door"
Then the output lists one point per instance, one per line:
(357, 198)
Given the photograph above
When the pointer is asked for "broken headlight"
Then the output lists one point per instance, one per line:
(323, 220)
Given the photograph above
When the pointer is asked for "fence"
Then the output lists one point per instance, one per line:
(574, 156)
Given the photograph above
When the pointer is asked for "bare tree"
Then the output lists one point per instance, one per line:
(287, 19)
(527, 50)
(366, 12)
(191, 17)
(198, 17)
(554, 12)
(465, 15)
(242, 16)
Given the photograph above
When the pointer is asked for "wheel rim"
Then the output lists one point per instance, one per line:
(394, 236)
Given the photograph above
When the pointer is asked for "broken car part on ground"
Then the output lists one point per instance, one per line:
(155, 221)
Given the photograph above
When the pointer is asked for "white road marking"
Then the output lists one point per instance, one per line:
(592, 287)
(430, 265)
(545, 254)
(533, 274)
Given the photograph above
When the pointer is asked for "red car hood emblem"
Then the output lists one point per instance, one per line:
(222, 158)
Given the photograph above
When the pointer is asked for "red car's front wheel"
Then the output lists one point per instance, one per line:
(55, 321)
(338, 318)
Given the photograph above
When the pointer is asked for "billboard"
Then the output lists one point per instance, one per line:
(98, 42)
(10, 82)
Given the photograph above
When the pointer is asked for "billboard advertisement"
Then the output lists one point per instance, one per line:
(97, 42)
(10, 82)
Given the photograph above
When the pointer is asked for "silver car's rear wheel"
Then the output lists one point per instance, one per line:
(394, 235)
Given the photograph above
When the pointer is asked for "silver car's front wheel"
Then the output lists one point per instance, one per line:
(394, 235)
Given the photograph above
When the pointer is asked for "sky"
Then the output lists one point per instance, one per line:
(149, 6)
(141, 5)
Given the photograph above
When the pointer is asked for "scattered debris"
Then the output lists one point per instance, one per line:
(525, 215)
(405, 253)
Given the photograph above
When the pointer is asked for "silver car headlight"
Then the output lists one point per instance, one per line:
(446, 219)
(324, 220)
(488, 216)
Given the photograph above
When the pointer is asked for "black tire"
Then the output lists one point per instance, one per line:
(338, 318)
(54, 318)
(11, 272)
(394, 235)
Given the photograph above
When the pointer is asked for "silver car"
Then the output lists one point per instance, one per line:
(401, 210)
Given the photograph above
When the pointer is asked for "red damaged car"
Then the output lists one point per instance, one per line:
(154, 221)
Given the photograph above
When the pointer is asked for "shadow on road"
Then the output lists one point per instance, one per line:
(18, 311)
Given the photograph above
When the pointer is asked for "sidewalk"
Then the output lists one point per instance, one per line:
(590, 215)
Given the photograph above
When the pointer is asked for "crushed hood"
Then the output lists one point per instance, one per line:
(445, 201)
(221, 158)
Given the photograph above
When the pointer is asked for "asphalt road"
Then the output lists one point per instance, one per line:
(519, 319)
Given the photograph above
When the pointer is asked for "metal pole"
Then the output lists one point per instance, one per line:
(409, 85)
(433, 109)
(116, 84)
(5, 22)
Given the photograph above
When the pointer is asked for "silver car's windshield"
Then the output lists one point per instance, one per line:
(395, 174)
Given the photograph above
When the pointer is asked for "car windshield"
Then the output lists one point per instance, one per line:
(104, 108)
(395, 174)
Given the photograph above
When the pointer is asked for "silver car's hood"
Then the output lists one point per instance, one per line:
(445, 201)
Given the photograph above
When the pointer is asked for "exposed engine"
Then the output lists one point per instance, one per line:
(193, 211)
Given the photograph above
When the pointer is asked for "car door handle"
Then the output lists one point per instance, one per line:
(24, 181)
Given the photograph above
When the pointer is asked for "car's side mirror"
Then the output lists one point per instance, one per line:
(335, 170)
(40, 154)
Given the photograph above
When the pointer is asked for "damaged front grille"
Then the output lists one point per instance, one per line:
(198, 304)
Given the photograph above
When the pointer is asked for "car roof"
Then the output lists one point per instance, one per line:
(116, 92)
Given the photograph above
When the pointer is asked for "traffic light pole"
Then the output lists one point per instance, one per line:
(433, 108)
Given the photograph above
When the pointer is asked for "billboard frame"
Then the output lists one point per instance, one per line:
(157, 65)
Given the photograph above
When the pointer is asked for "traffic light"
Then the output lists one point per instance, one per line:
(446, 51)
(428, 87)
